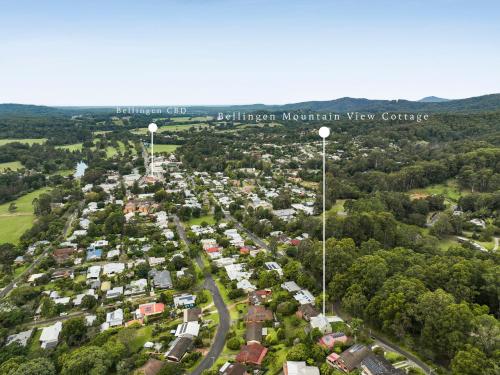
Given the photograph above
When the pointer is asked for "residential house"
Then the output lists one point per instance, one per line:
(184, 301)
(149, 309)
(299, 368)
(161, 279)
(349, 359)
(189, 328)
(50, 336)
(307, 311)
(304, 297)
(321, 322)
(328, 341)
(258, 314)
(290, 286)
(192, 315)
(229, 368)
(179, 347)
(377, 365)
(252, 354)
(273, 266)
(111, 269)
(21, 338)
(116, 292)
(136, 287)
(259, 297)
(113, 319)
(253, 333)
(63, 255)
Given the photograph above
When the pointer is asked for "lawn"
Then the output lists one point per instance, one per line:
(13, 165)
(209, 219)
(165, 148)
(111, 151)
(13, 225)
(29, 141)
(72, 147)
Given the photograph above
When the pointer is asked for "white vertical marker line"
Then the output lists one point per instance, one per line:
(324, 132)
(152, 129)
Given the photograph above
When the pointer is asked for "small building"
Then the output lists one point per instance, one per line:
(304, 297)
(94, 254)
(376, 365)
(113, 319)
(63, 255)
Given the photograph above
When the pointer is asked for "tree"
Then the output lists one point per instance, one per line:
(471, 361)
(37, 366)
(12, 207)
(88, 302)
(74, 331)
(87, 360)
(299, 352)
(233, 343)
(171, 369)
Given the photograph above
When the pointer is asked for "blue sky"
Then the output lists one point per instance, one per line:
(88, 52)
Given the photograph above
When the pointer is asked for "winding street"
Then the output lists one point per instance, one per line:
(224, 318)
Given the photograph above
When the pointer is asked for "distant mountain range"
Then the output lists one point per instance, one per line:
(429, 104)
(433, 99)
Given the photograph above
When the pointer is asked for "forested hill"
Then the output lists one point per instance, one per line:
(485, 103)
(475, 104)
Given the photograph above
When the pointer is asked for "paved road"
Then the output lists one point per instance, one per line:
(251, 235)
(224, 318)
(382, 341)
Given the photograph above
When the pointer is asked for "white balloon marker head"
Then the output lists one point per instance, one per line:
(324, 132)
(152, 127)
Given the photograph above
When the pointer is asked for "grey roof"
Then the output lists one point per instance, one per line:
(379, 366)
(254, 332)
(162, 279)
(179, 347)
(353, 356)
(22, 337)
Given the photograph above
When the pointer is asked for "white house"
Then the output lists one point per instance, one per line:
(50, 336)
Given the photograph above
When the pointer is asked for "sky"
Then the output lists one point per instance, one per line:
(204, 52)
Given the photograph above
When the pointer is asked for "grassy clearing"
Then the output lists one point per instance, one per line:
(72, 147)
(13, 225)
(165, 148)
(12, 165)
(209, 219)
(111, 151)
(180, 128)
(450, 190)
(29, 141)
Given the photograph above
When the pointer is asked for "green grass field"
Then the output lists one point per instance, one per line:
(73, 147)
(29, 141)
(165, 148)
(13, 225)
(198, 220)
(13, 165)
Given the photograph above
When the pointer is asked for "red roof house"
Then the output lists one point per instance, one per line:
(252, 354)
(152, 308)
